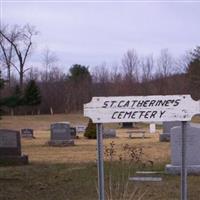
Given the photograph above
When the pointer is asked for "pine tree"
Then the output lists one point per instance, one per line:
(15, 100)
(32, 96)
(194, 74)
(90, 131)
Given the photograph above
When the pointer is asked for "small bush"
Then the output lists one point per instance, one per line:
(90, 131)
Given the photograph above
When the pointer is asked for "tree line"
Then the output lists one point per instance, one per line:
(31, 90)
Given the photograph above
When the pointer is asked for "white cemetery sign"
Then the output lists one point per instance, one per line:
(141, 108)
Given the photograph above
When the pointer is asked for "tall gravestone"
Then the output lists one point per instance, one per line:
(61, 134)
(10, 148)
(192, 150)
(165, 136)
(27, 133)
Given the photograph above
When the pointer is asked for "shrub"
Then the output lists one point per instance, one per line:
(90, 131)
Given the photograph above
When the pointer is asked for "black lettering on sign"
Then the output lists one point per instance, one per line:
(152, 102)
(127, 115)
(113, 116)
(121, 116)
(147, 114)
(133, 103)
(162, 113)
(177, 101)
(141, 114)
(167, 103)
(146, 103)
(134, 114)
(112, 103)
(153, 114)
(126, 104)
(120, 104)
(139, 104)
(105, 104)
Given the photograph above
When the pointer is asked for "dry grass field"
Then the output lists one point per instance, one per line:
(84, 149)
(69, 173)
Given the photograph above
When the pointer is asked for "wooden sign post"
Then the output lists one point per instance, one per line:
(141, 109)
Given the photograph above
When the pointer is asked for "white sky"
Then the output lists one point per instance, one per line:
(91, 33)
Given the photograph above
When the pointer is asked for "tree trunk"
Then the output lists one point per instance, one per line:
(12, 112)
(51, 110)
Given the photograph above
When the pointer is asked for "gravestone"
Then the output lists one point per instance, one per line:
(165, 136)
(192, 150)
(152, 127)
(61, 135)
(73, 132)
(27, 133)
(10, 148)
(109, 133)
(128, 125)
(80, 128)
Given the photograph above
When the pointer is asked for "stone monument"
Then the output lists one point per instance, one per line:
(165, 136)
(109, 133)
(192, 150)
(61, 135)
(10, 148)
(152, 128)
(80, 128)
(127, 125)
(27, 133)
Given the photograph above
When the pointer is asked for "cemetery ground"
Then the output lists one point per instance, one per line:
(70, 173)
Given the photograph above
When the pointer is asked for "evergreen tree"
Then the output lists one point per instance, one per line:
(32, 96)
(90, 131)
(194, 78)
(15, 100)
(194, 74)
(79, 72)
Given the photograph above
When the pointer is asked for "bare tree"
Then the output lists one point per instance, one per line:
(22, 46)
(49, 61)
(147, 64)
(101, 79)
(7, 50)
(182, 63)
(165, 63)
(130, 64)
(33, 74)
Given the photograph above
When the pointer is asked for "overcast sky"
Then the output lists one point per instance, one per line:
(91, 33)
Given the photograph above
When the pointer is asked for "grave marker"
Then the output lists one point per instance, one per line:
(192, 147)
(80, 128)
(152, 127)
(165, 136)
(27, 133)
(10, 148)
(61, 135)
(109, 133)
(73, 132)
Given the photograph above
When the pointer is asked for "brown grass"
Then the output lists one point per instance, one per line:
(84, 149)
(70, 172)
